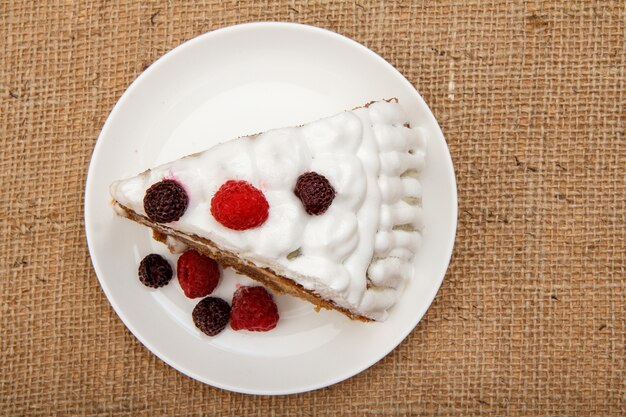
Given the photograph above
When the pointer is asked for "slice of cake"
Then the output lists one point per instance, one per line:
(329, 211)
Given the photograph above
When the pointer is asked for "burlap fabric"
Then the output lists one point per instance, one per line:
(531, 318)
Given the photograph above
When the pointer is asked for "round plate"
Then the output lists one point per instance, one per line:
(228, 83)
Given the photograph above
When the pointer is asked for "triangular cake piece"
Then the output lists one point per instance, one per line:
(329, 211)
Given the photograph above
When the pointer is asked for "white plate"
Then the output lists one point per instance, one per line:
(221, 85)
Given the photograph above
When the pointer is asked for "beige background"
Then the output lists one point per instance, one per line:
(531, 316)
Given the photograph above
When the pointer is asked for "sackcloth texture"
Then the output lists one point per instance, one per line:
(530, 319)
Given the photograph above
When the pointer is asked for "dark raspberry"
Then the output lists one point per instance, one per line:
(253, 309)
(166, 201)
(238, 205)
(198, 275)
(315, 192)
(211, 315)
(155, 271)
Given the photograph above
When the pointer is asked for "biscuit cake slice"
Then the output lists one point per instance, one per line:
(329, 211)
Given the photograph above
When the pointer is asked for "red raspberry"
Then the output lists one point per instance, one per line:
(315, 192)
(165, 201)
(198, 275)
(211, 315)
(253, 309)
(239, 206)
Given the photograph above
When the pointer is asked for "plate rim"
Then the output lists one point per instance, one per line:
(171, 54)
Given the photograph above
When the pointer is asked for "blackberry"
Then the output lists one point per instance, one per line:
(211, 315)
(165, 201)
(155, 271)
(315, 192)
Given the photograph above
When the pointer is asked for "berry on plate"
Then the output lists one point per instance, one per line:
(198, 275)
(155, 271)
(253, 309)
(211, 315)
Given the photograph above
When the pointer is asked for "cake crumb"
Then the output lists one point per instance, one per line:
(159, 236)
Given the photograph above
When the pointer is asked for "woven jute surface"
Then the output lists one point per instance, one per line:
(531, 318)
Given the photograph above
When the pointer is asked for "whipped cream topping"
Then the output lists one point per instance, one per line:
(358, 253)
